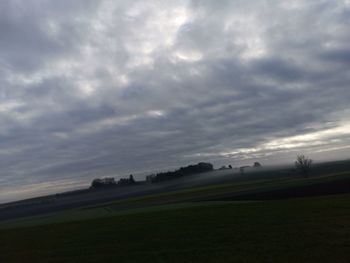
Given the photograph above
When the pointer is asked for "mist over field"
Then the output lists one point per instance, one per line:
(108, 88)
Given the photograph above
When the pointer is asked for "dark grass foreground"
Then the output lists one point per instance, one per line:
(338, 186)
(298, 230)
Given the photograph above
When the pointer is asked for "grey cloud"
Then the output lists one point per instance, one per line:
(337, 55)
(36, 32)
(92, 88)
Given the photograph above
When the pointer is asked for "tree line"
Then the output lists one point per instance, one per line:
(303, 165)
(183, 171)
(110, 182)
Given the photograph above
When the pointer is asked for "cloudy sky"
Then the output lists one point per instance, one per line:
(106, 88)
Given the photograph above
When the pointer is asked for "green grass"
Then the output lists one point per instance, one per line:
(299, 230)
(206, 192)
(171, 200)
(99, 212)
(169, 227)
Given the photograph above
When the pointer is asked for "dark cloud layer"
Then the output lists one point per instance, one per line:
(95, 88)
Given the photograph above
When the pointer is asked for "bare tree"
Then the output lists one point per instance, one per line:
(303, 164)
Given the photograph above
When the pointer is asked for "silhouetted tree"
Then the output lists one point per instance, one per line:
(108, 181)
(183, 171)
(230, 166)
(257, 164)
(303, 164)
(126, 181)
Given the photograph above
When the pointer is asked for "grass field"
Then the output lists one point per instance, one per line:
(297, 230)
(179, 226)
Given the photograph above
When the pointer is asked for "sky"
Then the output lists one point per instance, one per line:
(107, 88)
